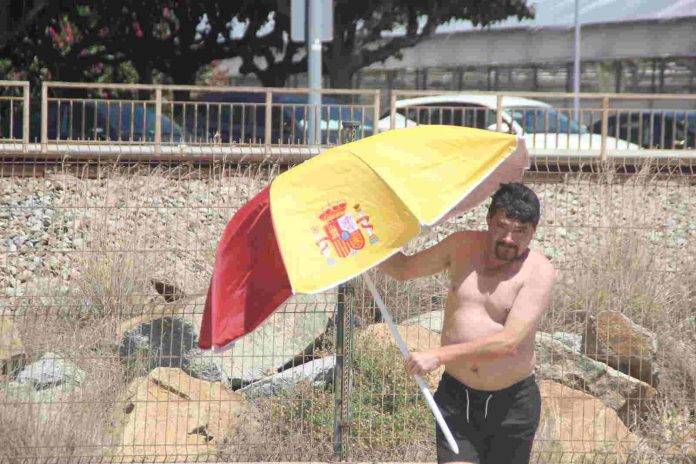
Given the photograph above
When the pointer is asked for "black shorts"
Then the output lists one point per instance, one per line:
(490, 427)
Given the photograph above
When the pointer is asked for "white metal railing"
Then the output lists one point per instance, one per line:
(14, 111)
(246, 116)
(607, 124)
(97, 119)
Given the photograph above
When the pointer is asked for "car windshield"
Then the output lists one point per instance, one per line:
(545, 120)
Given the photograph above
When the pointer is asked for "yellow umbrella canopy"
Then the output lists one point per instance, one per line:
(353, 206)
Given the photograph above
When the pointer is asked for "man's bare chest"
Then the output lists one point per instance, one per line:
(494, 293)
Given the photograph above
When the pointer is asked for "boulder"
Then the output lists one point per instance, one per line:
(577, 427)
(291, 330)
(50, 371)
(624, 394)
(170, 416)
(571, 340)
(614, 339)
(12, 354)
(318, 372)
(163, 342)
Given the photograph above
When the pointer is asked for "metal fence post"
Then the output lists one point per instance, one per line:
(392, 111)
(25, 117)
(268, 121)
(375, 123)
(605, 128)
(158, 120)
(44, 117)
(498, 112)
(342, 375)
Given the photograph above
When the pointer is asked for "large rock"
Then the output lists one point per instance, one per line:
(12, 354)
(432, 320)
(614, 339)
(319, 372)
(296, 325)
(417, 338)
(576, 427)
(51, 384)
(559, 362)
(50, 371)
(163, 342)
(170, 416)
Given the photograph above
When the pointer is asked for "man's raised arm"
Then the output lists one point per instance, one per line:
(424, 263)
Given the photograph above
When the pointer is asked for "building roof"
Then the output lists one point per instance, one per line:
(561, 13)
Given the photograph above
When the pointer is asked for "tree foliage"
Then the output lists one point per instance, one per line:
(134, 40)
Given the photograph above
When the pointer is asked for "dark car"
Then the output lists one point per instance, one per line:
(240, 117)
(110, 121)
(673, 129)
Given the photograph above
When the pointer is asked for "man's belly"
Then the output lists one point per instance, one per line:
(494, 374)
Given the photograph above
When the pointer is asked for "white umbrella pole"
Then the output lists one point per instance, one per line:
(404, 351)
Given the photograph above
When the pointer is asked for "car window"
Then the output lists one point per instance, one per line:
(544, 120)
(455, 114)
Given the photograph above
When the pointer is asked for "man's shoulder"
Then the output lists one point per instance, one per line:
(539, 266)
(466, 239)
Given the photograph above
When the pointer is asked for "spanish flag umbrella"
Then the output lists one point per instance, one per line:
(338, 214)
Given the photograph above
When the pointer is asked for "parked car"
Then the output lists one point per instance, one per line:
(544, 126)
(673, 129)
(104, 120)
(240, 117)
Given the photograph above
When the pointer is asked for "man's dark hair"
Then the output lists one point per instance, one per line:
(518, 201)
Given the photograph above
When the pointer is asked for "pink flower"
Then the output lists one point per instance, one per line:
(53, 33)
(138, 30)
(69, 38)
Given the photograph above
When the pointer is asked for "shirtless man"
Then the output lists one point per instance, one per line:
(499, 289)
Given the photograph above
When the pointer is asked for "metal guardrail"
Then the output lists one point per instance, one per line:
(177, 114)
(199, 122)
(625, 125)
(14, 111)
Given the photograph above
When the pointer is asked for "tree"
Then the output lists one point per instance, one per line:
(174, 38)
(358, 32)
(105, 39)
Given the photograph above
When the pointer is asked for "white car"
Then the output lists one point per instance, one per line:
(543, 126)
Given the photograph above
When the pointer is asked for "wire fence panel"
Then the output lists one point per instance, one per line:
(104, 273)
(104, 268)
(611, 351)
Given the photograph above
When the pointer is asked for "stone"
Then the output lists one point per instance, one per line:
(571, 340)
(170, 416)
(577, 427)
(169, 291)
(50, 371)
(291, 330)
(624, 394)
(614, 339)
(319, 372)
(12, 354)
(161, 342)
(432, 320)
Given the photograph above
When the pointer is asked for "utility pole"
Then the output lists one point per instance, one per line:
(576, 65)
(314, 68)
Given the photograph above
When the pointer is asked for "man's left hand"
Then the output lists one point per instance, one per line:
(422, 362)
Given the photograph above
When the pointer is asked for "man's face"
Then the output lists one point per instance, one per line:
(508, 238)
